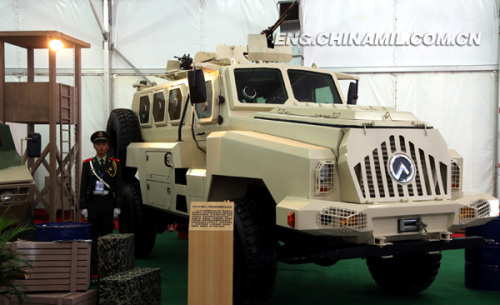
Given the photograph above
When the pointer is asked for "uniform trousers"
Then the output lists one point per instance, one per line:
(101, 224)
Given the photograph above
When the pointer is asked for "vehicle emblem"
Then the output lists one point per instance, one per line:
(402, 168)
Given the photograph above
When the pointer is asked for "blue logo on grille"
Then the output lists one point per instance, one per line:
(402, 168)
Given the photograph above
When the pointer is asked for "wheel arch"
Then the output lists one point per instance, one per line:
(230, 188)
(227, 187)
(284, 166)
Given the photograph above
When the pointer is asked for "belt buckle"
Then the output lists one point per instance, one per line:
(104, 193)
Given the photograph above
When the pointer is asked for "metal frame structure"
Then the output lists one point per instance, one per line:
(51, 103)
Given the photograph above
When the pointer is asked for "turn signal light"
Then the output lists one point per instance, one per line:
(467, 212)
(291, 219)
(349, 222)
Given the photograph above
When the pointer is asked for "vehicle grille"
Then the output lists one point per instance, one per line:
(376, 182)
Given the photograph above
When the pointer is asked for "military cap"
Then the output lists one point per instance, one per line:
(100, 136)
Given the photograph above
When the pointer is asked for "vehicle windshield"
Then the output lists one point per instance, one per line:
(313, 87)
(260, 86)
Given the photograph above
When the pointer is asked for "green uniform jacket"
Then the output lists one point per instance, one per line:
(111, 173)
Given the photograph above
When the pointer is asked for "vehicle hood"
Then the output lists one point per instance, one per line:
(342, 115)
(12, 170)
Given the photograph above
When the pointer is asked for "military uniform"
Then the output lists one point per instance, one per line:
(100, 194)
(93, 197)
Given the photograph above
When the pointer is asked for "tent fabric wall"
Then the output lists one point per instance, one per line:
(147, 32)
(463, 105)
(74, 18)
(401, 18)
(151, 32)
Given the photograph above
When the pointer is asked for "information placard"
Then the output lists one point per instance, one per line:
(214, 216)
(210, 268)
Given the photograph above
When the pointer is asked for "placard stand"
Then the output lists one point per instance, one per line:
(210, 268)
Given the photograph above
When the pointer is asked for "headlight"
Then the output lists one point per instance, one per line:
(6, 196)
(455, 176)
(457, 165)
(323, 176)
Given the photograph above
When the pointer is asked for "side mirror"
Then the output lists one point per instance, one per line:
(352, 93)
(197, 89)
(34, 145)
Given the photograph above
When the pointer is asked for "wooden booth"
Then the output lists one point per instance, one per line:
(51, 103)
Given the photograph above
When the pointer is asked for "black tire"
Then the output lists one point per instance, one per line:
(136, 218)
(123, 127)
(255, 258)
(405, 274)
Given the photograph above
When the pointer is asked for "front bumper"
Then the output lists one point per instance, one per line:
(16, 202)
(383, 223)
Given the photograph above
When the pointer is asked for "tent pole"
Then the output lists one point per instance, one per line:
(107, 59)
(104, 26)
(497, 127)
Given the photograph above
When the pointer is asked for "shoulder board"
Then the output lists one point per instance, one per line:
(89, 159)
(114, 159)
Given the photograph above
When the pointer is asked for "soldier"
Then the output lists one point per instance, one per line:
(100, 192)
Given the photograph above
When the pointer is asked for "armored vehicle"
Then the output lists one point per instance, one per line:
(16, 182)
(314, 177)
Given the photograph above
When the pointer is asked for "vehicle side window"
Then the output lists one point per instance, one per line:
(204, 110)
(324, 94)
(313, 87)
(258, 85)
(159, 107)
(144, 109)
(175, 104)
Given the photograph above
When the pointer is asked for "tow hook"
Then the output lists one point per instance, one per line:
(413, 225)
(423, 228)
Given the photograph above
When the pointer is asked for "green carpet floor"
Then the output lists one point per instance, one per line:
(347, 282)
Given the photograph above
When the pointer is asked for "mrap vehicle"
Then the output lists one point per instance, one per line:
(314, 177)
(16, 182)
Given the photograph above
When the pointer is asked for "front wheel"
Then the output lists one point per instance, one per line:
(135, 218)
(255, 258)
(405, 273)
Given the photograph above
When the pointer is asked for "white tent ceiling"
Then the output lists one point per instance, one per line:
(452, 88)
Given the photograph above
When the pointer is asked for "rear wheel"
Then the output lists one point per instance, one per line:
(136, 218)
(406, 273)
(255, 259)
(123, 127)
